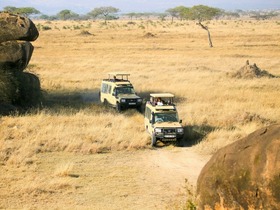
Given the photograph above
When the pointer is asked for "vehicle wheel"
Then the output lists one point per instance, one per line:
(140, 109)
(118, 107)
(146, 128)
(105, 103)
(154, 140)
(179, 142)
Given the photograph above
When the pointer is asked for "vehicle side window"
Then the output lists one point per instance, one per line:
(104, 88)
(153, 117)
(148, 113)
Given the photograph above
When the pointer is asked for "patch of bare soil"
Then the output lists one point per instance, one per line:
(251, 71)
(147, 179)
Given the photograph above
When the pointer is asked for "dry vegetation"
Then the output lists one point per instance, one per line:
(71, 58)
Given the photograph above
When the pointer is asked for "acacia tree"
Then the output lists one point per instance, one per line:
(22, 10)
(67, 15)
(177, 12)
(202, 13)
(131, 15)
(10, 9)
(162, 16)
(104, 12)
(173, 13)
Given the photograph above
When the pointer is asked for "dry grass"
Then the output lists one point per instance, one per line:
(82, 131)
(176, 59)
(216, 109)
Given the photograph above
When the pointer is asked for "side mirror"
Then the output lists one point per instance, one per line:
(180, 121)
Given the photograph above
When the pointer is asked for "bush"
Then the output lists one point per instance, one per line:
(45, 28)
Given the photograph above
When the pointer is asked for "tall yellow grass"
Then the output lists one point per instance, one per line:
(177, 59)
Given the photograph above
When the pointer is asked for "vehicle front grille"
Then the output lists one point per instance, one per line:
(169, 130)
(131, 100)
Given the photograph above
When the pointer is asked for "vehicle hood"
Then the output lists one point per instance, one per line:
(167, 125)
(130, 96)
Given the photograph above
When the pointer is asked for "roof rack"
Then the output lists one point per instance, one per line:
(162, 95)
(117, 76)
(161, 99)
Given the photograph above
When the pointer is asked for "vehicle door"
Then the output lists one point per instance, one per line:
(148, 120)
(111, 96)
(103, 92)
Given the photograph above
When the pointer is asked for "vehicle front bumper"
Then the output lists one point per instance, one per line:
(169, 134)
(130, 103)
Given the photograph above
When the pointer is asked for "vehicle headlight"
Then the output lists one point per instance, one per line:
(180, 130)
(122, 100)
(139, 100)
(158, 130)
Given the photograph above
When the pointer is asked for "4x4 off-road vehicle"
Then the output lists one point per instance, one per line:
(161, 119)
(118, 92)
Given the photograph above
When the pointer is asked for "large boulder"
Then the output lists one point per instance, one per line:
(8, 88)
(17, 88)
(15, 27)
(21, 89)
(7, 109)
(29, 90)
(243, 175)
(15, 56)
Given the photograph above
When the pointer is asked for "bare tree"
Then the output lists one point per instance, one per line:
(209, 36)
(202, 13)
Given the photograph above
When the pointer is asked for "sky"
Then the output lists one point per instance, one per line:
(52, 7)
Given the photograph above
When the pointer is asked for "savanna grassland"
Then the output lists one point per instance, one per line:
(73, 152)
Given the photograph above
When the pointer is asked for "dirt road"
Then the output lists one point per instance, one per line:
(144, 179)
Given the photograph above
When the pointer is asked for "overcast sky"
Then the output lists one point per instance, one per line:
(52, 7)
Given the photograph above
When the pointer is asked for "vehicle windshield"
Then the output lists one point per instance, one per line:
(125, 90)
(166, 117)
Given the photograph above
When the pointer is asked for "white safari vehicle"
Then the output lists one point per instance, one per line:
(161, 119)
(118, 92)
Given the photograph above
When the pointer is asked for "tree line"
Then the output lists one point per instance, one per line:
(198, 12)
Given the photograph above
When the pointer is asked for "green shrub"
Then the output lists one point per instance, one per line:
(45, 28)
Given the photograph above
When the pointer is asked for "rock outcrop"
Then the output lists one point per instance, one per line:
(17, 88)
(15, 55)
(243, 175)
(15, 27)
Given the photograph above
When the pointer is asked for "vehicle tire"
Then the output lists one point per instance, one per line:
(146, 128)
(118, 107)
(180, 142)
(154, 140)
(105, 103)
(140, 109)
